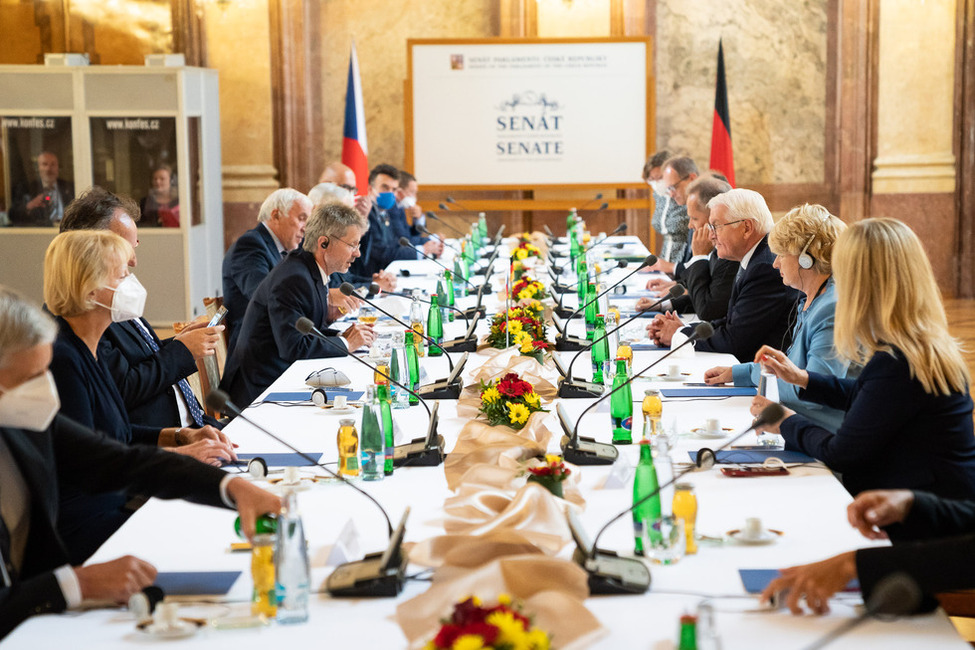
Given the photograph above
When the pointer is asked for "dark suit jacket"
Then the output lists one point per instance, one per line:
(245, 265)
(22, 195)
(397, 220)
(758, 311)
(944, 561)
(68, 454)
(145, 379)
(269, 342)
(708, 287)
(379, 246)
(894, 434)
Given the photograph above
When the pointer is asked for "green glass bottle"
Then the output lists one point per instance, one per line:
(448, 278)
(644, 483)
(386, 415)
(600, 352)
(621, 406)
(371, 439)
(570, 220)
(413, 362)
(442, 301)
(482, 226)
(574, 246)
(435, 326)
(582, 275)
(266, 524)
(688, 633)
(459, 271)
(590, 311)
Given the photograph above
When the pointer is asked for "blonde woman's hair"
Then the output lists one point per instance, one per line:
(887, 297)
(807, 224)
(77, 263)
(23, 325)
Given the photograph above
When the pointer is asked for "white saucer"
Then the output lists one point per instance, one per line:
(182, 630)
(680, 377)
(701, 432)
(345, 411)
(767, 537)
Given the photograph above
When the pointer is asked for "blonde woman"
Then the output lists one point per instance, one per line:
(87, 285)
(803, 243)
(908, 417)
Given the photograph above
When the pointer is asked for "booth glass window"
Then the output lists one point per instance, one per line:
(136, 156)
(37, 164)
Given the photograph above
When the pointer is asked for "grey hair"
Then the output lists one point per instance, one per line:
(683, 165)
(331, 220)
(328, 192)
(280, 200)
(745, 204)
(705, 188)
(23, 325)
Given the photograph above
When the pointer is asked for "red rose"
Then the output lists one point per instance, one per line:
(447, 635)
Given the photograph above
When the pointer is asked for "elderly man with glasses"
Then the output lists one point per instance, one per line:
(760, 305)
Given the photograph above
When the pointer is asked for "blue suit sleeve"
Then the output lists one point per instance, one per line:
(286, 304)
(249, 265)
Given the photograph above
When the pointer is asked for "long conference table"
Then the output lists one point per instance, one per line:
(808, 507)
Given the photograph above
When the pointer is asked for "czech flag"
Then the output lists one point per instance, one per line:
(355, 151)
(722, 158)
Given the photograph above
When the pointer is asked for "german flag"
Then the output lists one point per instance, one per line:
(722, 157)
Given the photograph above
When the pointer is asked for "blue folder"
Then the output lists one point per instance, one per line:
(305, 395)
(196, 583)
(283, 459)
(704, 391)
(756, 580)
(729, 456)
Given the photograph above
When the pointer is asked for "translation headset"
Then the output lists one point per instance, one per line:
(806, 260)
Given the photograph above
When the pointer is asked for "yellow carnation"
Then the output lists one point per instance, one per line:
(491, 395)
(514, 327)
(521, 253)
(518, 413)
(552, 459)
(527, 346)
(468, 642)
(537, 639)
(525, 294)
(533, 401)
(510, 630)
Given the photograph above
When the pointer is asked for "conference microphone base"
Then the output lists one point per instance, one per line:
(440, 389)
(460, 345)
(562, 288)
(419, 453)
(367, 578)
(471, 311)
(587, 451)
(555, 253)
(612, 574)
(570, 343)
(572, 388)
(564, 312)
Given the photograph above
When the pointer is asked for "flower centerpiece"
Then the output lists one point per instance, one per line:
(524, 250)
(509, 401)
(527, 288)
(549, 474)
(526, 317)
(472, 626)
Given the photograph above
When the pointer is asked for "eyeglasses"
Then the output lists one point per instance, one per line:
(351, 188)
(714, 227)
(354, 247)
(673, 188)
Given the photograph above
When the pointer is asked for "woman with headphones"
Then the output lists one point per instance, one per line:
(908, 422)
(803, 242)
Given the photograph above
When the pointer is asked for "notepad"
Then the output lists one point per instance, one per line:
(756, 580)
(196, 583)
(305, 395)
(283, 460)
(726, 456)
(646, 345)
(704, 391)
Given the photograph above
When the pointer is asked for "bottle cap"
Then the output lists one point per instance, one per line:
(347, 422)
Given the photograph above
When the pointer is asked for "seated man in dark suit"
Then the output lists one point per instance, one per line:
(280, 229)
(760, 304)
(297, 287)
(150, 374)
(707, 277)
(407, 217)
(40, 450)
(42, 201)
(380, 244)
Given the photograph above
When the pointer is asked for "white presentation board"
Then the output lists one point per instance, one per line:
(523, 114)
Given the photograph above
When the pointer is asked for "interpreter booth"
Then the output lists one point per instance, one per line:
(149, 132)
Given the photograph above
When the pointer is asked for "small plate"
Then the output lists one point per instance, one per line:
(701, 432)
(769, 536)
(335, 411)
(183, 630)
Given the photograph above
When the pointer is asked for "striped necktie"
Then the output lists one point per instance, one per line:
(184, 386)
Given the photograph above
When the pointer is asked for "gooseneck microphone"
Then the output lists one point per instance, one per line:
(451, 201)
(582, 251)
(348, 290)
(406, 243)
(425, 231)
(427, 452)
(569, 387)
(586, 451)
(450, 307)
(895, 595)
(218, 400)
(566, 288)
(433, 215)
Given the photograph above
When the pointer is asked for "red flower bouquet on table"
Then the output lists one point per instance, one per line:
(528, 289)
(473, 626)
(526, 318)
(509, 401)
(549, 474)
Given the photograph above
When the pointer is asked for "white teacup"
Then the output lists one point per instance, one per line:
(713, 426)
(166, 615)
(292, 476)
(340, 402)
(753, 528)
(673, 370)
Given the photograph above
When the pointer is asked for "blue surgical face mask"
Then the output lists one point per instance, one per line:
(386, 200)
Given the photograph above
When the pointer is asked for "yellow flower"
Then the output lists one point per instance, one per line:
(553, 459)
(504, 599)
(533, 401)
(468, 642)
(514, 327)
(525, 294)
(491, 395)
(521, 337)
(527, 347)
(510, 630)
(521, 253)
(518, 413)
(537, 639)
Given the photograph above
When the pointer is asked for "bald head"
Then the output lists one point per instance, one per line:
(341, 175)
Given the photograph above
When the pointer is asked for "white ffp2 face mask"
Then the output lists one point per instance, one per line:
(32, 405)
(129, 300)
(407, 202)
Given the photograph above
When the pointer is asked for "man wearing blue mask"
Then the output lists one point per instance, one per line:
(408, 218)
(380, 244)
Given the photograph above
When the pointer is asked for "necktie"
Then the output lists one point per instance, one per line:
(184, 386)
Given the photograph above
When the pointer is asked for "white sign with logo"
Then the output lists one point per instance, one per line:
(529, 114)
